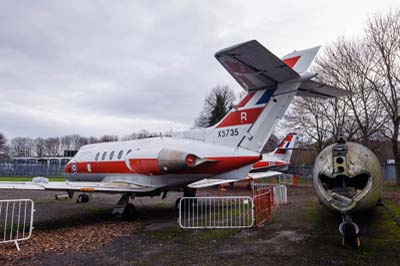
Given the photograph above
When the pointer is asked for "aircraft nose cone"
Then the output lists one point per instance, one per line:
(67, 168)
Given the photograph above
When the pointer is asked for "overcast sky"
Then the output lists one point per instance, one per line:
(116, 67)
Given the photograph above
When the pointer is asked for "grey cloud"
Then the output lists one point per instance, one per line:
(146, 61)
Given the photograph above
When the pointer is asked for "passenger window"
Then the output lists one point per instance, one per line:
(97, 156)
(104, 155)
(129, 151)
(111, 155)
(120, 154)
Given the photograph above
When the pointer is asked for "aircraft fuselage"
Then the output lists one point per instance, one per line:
(157, 161)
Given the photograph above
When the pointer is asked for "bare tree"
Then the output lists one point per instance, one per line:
(22, 147)
(53, 146)
(307, 116)
(3, 145)
(346, 64)
(383, 40)
(271, 144)
(77, 141)
(143, 134)
(66, 143)
(108, 138)
(92, 140)
(40, 147)
(131, 136)
(216, 105)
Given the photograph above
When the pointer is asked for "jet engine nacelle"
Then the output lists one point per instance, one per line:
(347, 177)
(171, 161)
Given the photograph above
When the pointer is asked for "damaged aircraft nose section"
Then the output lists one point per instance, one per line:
(347, 177)
(346, 190)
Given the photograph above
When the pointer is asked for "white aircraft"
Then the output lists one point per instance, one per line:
(226, 152)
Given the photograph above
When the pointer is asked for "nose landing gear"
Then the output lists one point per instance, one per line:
(349, 231)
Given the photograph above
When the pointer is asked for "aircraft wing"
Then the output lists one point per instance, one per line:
(209, 182)
(109, 187)
(311, 88)
(258, 175)
(254, 67)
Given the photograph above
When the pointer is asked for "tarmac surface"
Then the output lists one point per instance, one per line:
(301, 233)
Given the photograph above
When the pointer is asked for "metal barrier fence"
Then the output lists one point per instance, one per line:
(287, 179)
(280, 195)
(263, 204)
(257, 186)
(389, 172)
(16, 220)
(216, 212)
(232, 211)
(15, 168)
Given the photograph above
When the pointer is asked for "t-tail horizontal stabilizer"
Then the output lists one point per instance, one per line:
(311, 88)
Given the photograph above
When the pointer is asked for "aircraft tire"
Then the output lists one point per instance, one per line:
(82, 198)
(129, 211)
(350, 238)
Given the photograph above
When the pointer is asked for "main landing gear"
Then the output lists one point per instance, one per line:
(124, 208)
(83, 198)
(187, 192)
(349, 231)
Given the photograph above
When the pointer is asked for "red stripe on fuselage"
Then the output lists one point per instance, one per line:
(222, 165)
(242, 117)
(146, 166)
(149, 166)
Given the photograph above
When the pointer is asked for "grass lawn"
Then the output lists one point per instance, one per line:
(27, 179)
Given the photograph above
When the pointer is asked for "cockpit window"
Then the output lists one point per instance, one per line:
(104, 155)
(120, 154)
(97, 156)
(129, 151)
(111, 155)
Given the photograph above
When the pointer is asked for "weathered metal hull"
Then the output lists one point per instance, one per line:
(361, 170)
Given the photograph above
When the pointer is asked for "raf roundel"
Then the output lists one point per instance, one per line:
(74, 167)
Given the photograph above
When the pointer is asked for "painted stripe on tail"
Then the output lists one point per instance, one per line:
(243, 117)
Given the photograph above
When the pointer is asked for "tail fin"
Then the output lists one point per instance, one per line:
(265, 77)
(300, 61)
(285, 148)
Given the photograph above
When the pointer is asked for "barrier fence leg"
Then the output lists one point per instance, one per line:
(16, 244)
(295, 180)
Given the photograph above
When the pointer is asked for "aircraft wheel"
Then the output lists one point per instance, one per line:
(83, 198)
(189, 192)
(350, 237)
(129, 211)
